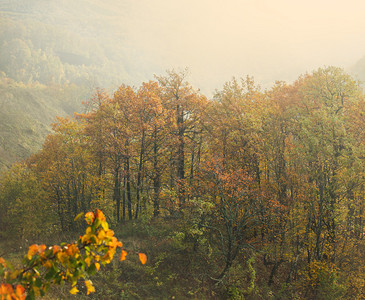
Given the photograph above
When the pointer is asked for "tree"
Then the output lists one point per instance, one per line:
(67, 171)
(234, 124)
(325, 148)
(154, 123)
(26, 212)
(179, 96)
(235, 196)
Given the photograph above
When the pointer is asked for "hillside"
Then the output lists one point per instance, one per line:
(256, 195)
(26, 112)
(52, 57)
(359, 70)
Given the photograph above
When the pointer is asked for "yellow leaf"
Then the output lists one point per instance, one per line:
(109, 233)
(62, 257)
(14, 275)
(124, 254)
(101, 235)
(105, 225)
(142, 258)
(88, 261)
(74, 290)
(89, 286)
(78, 216)
(97, 266)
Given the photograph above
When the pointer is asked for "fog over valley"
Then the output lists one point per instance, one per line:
(271, 40)
(58, 52)
(215, 40)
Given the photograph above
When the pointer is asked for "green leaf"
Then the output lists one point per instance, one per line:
(50, 274)
(76, 273)
(30, 295)
(38, 282)
(92, 269)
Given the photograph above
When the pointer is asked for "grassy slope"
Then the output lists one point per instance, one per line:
(175, 268)
(26, 113)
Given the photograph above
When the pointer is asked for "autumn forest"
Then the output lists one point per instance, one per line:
(253, 194)
(139, 161)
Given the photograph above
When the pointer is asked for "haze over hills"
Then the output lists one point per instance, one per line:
(53, 54)
(129, 41)
(58, 43)
(52, 57)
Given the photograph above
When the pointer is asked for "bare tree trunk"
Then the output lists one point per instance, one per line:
(181, 156)
(156, 179)
(139, 176)
(128, 182)
(116, 191)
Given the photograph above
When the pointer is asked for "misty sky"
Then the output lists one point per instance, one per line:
(269, 39)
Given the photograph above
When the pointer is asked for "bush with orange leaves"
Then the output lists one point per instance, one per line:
(43, 266)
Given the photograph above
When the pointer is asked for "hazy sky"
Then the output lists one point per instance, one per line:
(269, 39)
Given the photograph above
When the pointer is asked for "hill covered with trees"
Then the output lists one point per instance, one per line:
(254, 194)
(49, 66)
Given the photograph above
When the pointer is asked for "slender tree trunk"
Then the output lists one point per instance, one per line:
(139, 176)
(181, 156)
(191, 175)
(72, 206)
(273, 271)
(59, 209)
(83, 200)
(124, 202)
(156, 178)
(116, 191)
(128, 182)
(199, 152)
(318, 247)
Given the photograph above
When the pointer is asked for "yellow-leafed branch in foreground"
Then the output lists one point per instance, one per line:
(43, 266)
